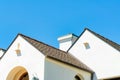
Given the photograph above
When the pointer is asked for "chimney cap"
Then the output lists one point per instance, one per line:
(68, 36)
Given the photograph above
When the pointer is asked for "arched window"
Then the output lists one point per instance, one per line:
(18, 73)
(77, 77)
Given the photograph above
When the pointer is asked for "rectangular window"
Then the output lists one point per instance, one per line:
(87, 46)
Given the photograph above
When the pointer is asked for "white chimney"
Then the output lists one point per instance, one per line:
(65, 42)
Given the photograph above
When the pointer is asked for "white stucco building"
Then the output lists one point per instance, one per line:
(87, 57)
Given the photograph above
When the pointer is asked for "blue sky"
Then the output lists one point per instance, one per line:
(46, 20)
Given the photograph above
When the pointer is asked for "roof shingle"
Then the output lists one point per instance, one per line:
(56, 53)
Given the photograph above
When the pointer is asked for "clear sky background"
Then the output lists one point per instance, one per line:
(46, 20)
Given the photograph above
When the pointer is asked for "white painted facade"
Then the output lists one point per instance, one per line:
(1, 52)
(22, 53)
(56, 70)
(31, 59)
(100, 57)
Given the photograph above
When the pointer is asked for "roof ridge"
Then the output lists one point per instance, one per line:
(108, 41)
(41, 42)
(76, 40)
(55, 53)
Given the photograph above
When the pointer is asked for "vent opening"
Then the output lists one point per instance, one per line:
(87, 46)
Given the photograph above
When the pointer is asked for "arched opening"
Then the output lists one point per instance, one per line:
(18, 73)
(78, 77)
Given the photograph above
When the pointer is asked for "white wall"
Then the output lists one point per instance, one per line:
(55, 70)
(31, 59)
(102, 58)
(65, 45)
(1, 52)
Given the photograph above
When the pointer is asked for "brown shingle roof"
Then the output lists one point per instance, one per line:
(56, 53)
(111, 43)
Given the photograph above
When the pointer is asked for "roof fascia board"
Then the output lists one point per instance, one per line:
(9, 46)
(95, 34)
(77, 39)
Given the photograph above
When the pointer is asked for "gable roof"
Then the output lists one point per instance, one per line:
(56, 54)
(111, 43)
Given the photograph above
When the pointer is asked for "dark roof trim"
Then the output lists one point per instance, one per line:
(112, 78)
(70, 64)
(9, 46)
(38, 41)
(2, 49)
(76, 40)
(60, 58)
(79, 65)
(74, 35)
(111, 43)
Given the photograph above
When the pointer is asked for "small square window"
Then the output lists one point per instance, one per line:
(18, 52)
(87, 46)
